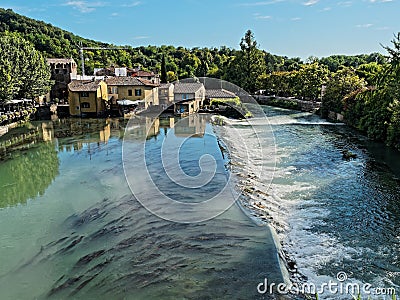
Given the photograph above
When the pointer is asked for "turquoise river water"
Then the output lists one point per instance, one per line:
(71, 228)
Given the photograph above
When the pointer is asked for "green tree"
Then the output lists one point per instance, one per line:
(248, 65)
(171, 76)
(370, 72)
(310, 79)
(279, 83)
(341, 84)
(376, 110)
(36, 78)
(23, 70)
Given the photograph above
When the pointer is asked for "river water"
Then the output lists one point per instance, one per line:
(332, 215)
(71, 228)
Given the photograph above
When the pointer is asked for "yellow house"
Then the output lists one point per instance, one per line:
(134, 89)
(87, 98)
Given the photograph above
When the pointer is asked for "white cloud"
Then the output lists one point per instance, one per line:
(85, 6)
(345, 3)
(380, 1)
(258, 16)
(263, 17)
(132, 4)
(364, 25)
(262, 3)
(310, 2)
(25, 9)
(141, 37)
(295, 19)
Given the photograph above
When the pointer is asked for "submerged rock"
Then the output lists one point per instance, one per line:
(348, 155)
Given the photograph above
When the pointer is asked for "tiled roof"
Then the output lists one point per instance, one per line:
(187, 88)
(124, 80)
(148, 82)
(219, 93)
(84, 85)
(165, 85)
(141, 73)
(129, 81)
(60, 60)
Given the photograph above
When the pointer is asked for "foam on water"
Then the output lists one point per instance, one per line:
(300, 202)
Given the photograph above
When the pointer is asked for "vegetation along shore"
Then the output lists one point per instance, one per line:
(361, 90)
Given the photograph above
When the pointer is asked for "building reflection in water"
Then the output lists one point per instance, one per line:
(192, 126)
(73, 135)
(141, 128)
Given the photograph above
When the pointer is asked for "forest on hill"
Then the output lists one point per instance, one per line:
(180, 62)
(364, 88)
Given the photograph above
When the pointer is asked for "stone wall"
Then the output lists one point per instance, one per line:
(309, 106)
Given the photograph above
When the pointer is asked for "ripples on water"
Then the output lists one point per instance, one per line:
(331, 214)
(86, 237)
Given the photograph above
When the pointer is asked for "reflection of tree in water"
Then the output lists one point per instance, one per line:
(28, 174)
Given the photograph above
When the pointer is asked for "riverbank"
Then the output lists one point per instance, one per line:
(5, 129)
(288, 103)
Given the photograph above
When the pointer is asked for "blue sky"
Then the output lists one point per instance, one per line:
(284, 27)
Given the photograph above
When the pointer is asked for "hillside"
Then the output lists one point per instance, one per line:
(55, 42)
(180, 62)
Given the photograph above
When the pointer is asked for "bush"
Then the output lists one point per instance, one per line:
(234, 108)
(283, 103)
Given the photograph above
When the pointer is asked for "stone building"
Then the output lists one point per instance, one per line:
(62, 69)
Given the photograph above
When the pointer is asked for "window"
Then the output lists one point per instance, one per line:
(85, 105)
(138, 92)
(130, 93)
(85, 94)
(77, 108)
(113, 90)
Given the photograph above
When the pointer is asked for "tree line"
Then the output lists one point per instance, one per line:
(364, 88)
(179, 62)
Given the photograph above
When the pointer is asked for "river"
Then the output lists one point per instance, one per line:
(333, 216)
(70, 226)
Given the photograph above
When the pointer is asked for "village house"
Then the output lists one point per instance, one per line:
(133, 89)
(145, 75)
(88, 98)
(130, 72)
(62, 70)
(188, 97)
(166, 94)
(110, 71)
